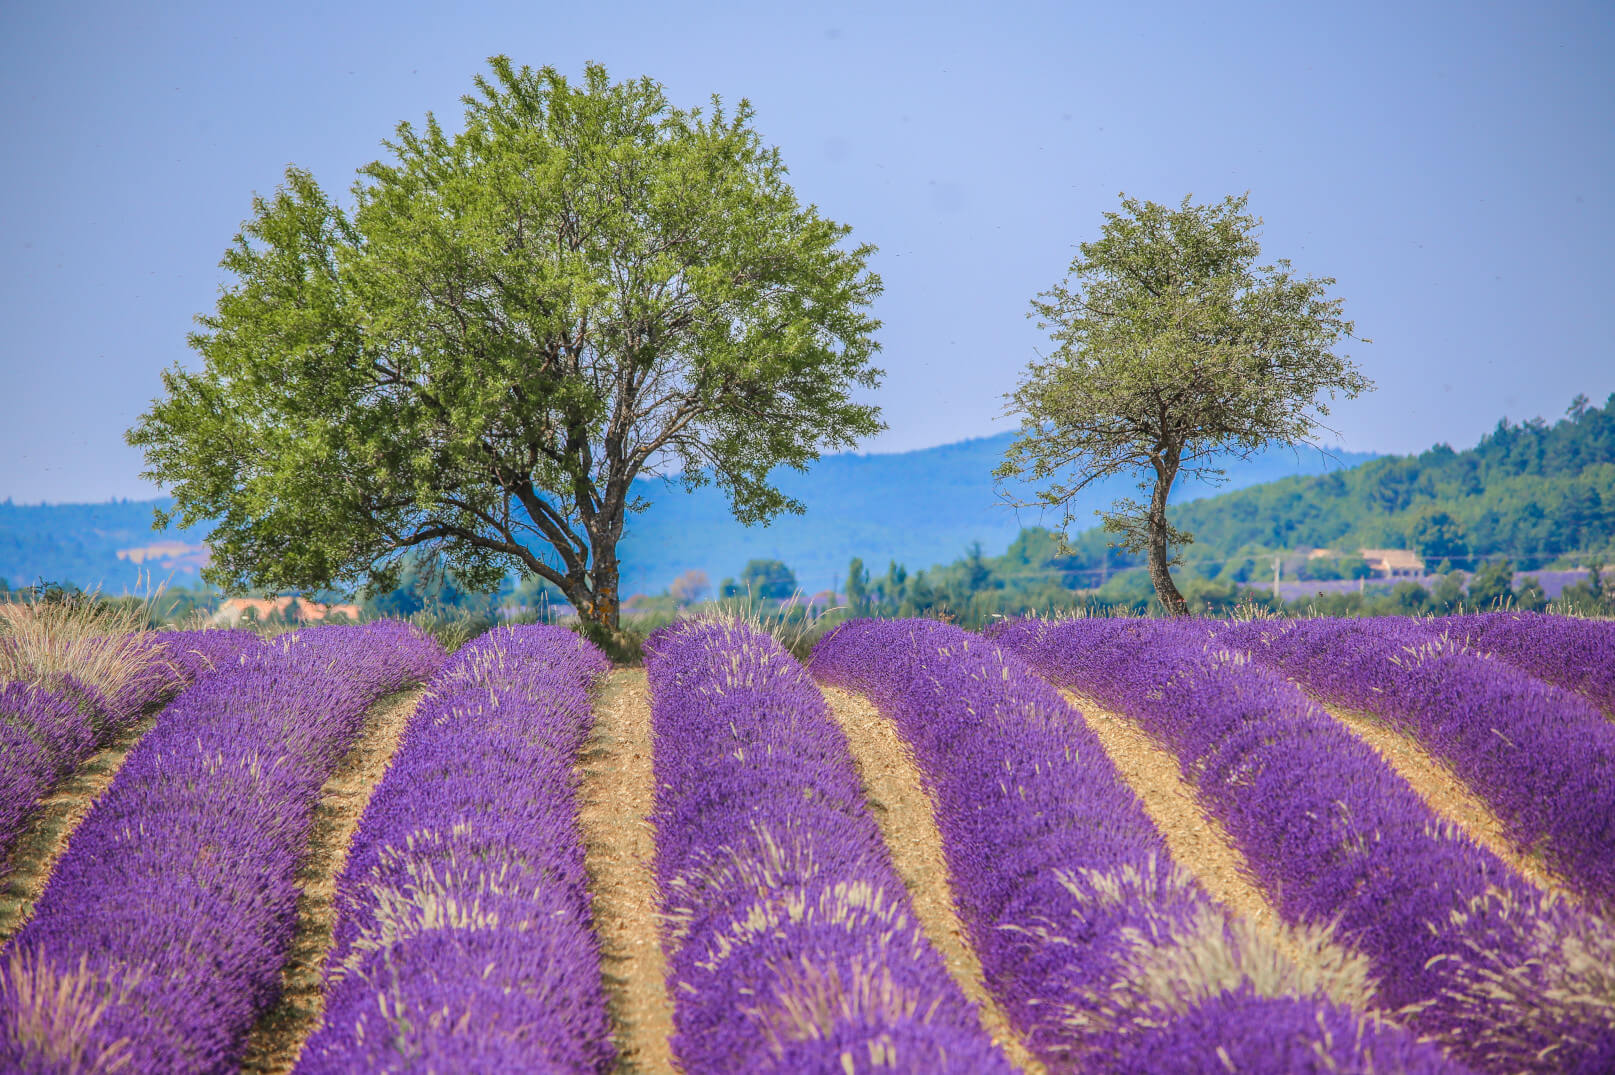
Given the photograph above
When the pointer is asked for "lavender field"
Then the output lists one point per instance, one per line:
(1087, 845)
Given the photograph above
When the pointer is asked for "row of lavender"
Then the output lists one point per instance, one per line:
(1569, 652)
(464, 939)
(1541, 756)
(1108, 957)
(1464, 949)
(160, 937)
(792, 944)
(48, 728)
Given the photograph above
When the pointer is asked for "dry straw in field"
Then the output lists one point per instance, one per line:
(104, 647)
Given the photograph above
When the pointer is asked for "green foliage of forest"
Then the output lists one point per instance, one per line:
(1530, 496)
(1533, 493)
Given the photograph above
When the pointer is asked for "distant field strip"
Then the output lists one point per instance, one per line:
(1193, 834)
(45, 839)
(1540, 756)
(615, 800)
(904, 812)
(1448, 796)
(277, 1039)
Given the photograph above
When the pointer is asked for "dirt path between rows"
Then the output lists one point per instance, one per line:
(1193, 835)
(279, 1036)
(907, 819)
(45, 838)
(619, 847)
(1448, 796)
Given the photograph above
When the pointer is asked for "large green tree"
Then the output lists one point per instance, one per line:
(1171, 356)
(583, 287)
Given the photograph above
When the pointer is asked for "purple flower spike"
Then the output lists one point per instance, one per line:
(161, 936)
(1092, 939)
(464, 940)
(792, 943)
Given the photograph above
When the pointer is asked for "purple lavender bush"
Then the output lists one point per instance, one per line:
(43, 737)
(1333, 834)
(792, 943)
(159, 939)
(45, 733)
(1067, 889)
(1569, 652)
(464, 940)
(1541, 757)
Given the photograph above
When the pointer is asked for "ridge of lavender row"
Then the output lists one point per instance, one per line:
(46, 732)
(1063, 880)
(1542, 757)
(161, 935)
(792, 943)
(464, 938)
(1567, 651)
(1330, 831)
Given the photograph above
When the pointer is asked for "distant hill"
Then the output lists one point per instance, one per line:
(919, 508)
(1530, 493)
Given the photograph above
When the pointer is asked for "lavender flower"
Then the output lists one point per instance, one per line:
(792, 944)
(1096, 945)
(1332, 833)
(1541, 757)
(464, 940)
(172, 912)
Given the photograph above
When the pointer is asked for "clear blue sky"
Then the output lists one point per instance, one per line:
(1449, 164)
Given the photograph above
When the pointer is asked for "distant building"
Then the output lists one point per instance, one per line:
(1393, 563)
(235, 609)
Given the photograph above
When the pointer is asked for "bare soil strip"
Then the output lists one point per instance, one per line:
(619, 846)
(907, 820)
(44, 841)
(1448, 796)
(278, 1038)
(1193, 835)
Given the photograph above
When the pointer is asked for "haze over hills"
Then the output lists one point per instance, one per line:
(920, 508)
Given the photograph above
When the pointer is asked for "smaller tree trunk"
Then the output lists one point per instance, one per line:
(1160, 573)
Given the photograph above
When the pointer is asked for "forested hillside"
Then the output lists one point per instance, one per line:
(1527, 497)
(1531, 493)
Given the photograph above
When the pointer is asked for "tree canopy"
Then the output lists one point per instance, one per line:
(1171, 356)
(584, 286)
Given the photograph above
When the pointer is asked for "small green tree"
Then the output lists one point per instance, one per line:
(1436, 535)
(1492, 586)
(768, 579)
(1172, 357)
(857, 587)
(584, 287)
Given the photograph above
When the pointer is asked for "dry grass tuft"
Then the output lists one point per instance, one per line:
(105, 648)
(1545, 1012)
(54, 1011)
(814, 1000)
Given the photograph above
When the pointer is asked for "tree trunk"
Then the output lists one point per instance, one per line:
(604, 603)
(1160, 573)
